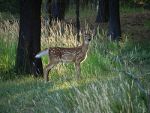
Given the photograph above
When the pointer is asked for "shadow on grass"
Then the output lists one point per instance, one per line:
(10, 74)
(29, 92)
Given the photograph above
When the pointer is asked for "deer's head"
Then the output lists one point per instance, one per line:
(87, 37)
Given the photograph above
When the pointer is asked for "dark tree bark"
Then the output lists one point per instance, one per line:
(62, 5)
(147, 5)
(29, 38)
(114, 20)
(84, 3)
(56, 9)
(103, 11)
(77, 20)
(48, 8)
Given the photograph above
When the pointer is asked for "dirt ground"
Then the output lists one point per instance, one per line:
(135, 25)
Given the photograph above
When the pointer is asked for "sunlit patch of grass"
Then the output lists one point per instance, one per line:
(8, 45)
(63, 85)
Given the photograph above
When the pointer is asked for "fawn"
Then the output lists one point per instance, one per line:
(58, 54)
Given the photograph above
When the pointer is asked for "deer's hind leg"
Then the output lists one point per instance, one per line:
(47, 69)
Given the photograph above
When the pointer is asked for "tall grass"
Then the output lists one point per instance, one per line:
(101, 89)
(8, 43)
(110, 96)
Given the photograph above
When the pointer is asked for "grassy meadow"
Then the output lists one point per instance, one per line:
(105, 85)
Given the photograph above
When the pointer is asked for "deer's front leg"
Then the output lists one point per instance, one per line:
(78, 70)
(46, 71)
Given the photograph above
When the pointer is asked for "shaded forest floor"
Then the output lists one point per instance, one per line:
(136, 25)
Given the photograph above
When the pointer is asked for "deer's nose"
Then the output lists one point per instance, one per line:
(89, 39)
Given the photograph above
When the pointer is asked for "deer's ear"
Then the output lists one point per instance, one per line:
(82, 31)
(86, 32)
(94, 32)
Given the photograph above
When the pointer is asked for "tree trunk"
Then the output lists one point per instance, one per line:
(48, 10)
(103, 11)
(77, 19)
(114, 20)
(56, 9)
(62, 5)
(29, 38)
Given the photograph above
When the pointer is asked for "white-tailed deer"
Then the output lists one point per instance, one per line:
(58, 54)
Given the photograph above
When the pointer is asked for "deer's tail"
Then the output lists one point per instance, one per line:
(42, 53)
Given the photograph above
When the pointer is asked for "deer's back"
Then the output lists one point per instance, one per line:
(66, 54)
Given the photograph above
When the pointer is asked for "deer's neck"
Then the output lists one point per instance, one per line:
(85, 46)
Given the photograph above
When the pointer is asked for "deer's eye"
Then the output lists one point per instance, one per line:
(89, 39)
